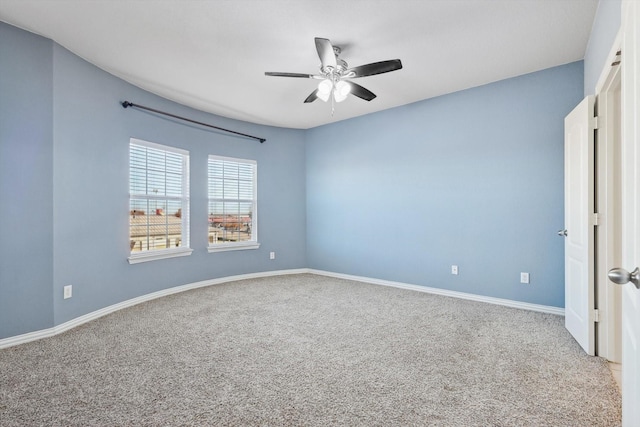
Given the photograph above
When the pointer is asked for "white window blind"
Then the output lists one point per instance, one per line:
(158, 201)
(232, 204)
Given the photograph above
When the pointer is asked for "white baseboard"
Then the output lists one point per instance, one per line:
(462, 295)
(45, 333)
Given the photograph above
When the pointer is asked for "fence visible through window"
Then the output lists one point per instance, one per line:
(159, 197)
(232, 201)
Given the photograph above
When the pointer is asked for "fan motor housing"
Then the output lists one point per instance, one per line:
(341, 67)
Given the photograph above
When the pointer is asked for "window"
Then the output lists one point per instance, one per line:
(232, 204)
(158, 201)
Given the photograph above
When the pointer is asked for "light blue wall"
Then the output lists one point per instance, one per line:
(474, 178)
(91, 159)
(603, 33)
(65, 137)
(26, 190)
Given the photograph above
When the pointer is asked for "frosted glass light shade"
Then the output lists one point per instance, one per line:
(341, 91)
(324, 89)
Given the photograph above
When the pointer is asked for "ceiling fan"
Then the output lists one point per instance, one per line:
(335, 75)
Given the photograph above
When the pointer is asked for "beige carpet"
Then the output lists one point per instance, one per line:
(313, 351)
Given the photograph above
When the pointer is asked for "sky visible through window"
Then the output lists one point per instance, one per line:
(157, 198)
(231, 200)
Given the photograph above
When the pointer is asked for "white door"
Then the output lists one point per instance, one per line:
(630, 69)
(578, 222)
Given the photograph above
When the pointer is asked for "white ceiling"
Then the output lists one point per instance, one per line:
(212, 55)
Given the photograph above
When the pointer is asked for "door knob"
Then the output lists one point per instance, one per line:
(622, 276)
(562, 233)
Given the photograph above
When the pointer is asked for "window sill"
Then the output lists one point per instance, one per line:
(233, 247)
(160, 254)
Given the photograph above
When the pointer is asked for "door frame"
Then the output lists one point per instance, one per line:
(608, 205)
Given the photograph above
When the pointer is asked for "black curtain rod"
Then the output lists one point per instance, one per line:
(126, 104)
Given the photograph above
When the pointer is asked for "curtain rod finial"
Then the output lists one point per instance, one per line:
(126, 104)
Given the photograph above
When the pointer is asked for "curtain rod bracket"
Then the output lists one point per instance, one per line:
(126, 104)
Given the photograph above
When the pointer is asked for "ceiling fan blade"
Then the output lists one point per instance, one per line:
(361, 92)
(326, 53)
(375, 68)
(276, 74)
(312, 97)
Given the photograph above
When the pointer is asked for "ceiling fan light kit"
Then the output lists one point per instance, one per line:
(335, 75)
(339, 90)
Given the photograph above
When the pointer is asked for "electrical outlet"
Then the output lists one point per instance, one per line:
(524, 277)
(68, 291)
(272, 255)
(454, 269)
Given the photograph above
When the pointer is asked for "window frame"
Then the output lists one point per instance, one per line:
(243, 245)
(184, 198)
